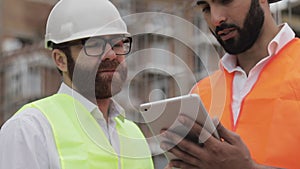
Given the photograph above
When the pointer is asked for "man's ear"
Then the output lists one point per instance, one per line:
(60, 60)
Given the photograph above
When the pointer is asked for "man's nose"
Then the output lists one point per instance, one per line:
(217, 16)
(109, 53)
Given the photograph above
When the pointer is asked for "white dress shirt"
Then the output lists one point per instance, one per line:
(242, 84)
(27, 142)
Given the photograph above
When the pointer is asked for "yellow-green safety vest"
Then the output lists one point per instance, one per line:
(82, 144)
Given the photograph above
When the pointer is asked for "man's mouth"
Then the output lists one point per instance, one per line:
(226, 34)
(107, 70)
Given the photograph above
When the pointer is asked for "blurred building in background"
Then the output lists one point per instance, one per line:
(172, 50)
(26, 69)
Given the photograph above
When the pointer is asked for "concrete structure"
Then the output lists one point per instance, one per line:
(26, 75)
(288, 11)
(26, 69)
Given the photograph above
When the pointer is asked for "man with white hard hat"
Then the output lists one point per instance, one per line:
(255, 93)
(80, 127)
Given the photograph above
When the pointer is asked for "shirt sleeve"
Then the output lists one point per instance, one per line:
(22, 144)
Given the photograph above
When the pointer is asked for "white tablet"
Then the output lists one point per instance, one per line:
(164, 114)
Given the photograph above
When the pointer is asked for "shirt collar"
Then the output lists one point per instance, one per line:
(65, 89)
(285, 35)
(115, 110)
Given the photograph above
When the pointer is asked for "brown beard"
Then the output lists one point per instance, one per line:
(107, 86)
(93, 83)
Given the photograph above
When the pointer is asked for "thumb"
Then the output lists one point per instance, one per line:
(227, 135)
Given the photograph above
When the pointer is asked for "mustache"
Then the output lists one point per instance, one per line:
(108, 64)
(225, 26)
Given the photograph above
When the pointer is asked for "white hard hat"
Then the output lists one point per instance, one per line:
(76, 19)
(272, 1)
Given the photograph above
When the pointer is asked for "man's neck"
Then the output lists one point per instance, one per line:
(259, 50)
(103, 105)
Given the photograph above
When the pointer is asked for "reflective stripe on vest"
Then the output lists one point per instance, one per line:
(81, 142)
(269, 119)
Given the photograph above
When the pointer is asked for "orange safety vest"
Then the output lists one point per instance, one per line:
(269, 119)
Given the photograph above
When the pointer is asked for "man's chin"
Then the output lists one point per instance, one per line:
(106, 95)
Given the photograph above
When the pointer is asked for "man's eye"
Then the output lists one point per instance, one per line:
(205, 9)
(118, 44)
(203, 5)
(226, 1)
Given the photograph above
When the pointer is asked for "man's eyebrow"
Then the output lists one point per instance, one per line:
(201, 2)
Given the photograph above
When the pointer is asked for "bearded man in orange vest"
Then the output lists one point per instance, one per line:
(255, 93)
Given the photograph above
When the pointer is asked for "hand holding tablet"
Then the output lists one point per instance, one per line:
(164, 114)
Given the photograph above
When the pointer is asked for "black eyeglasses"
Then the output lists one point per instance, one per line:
(95, 46)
